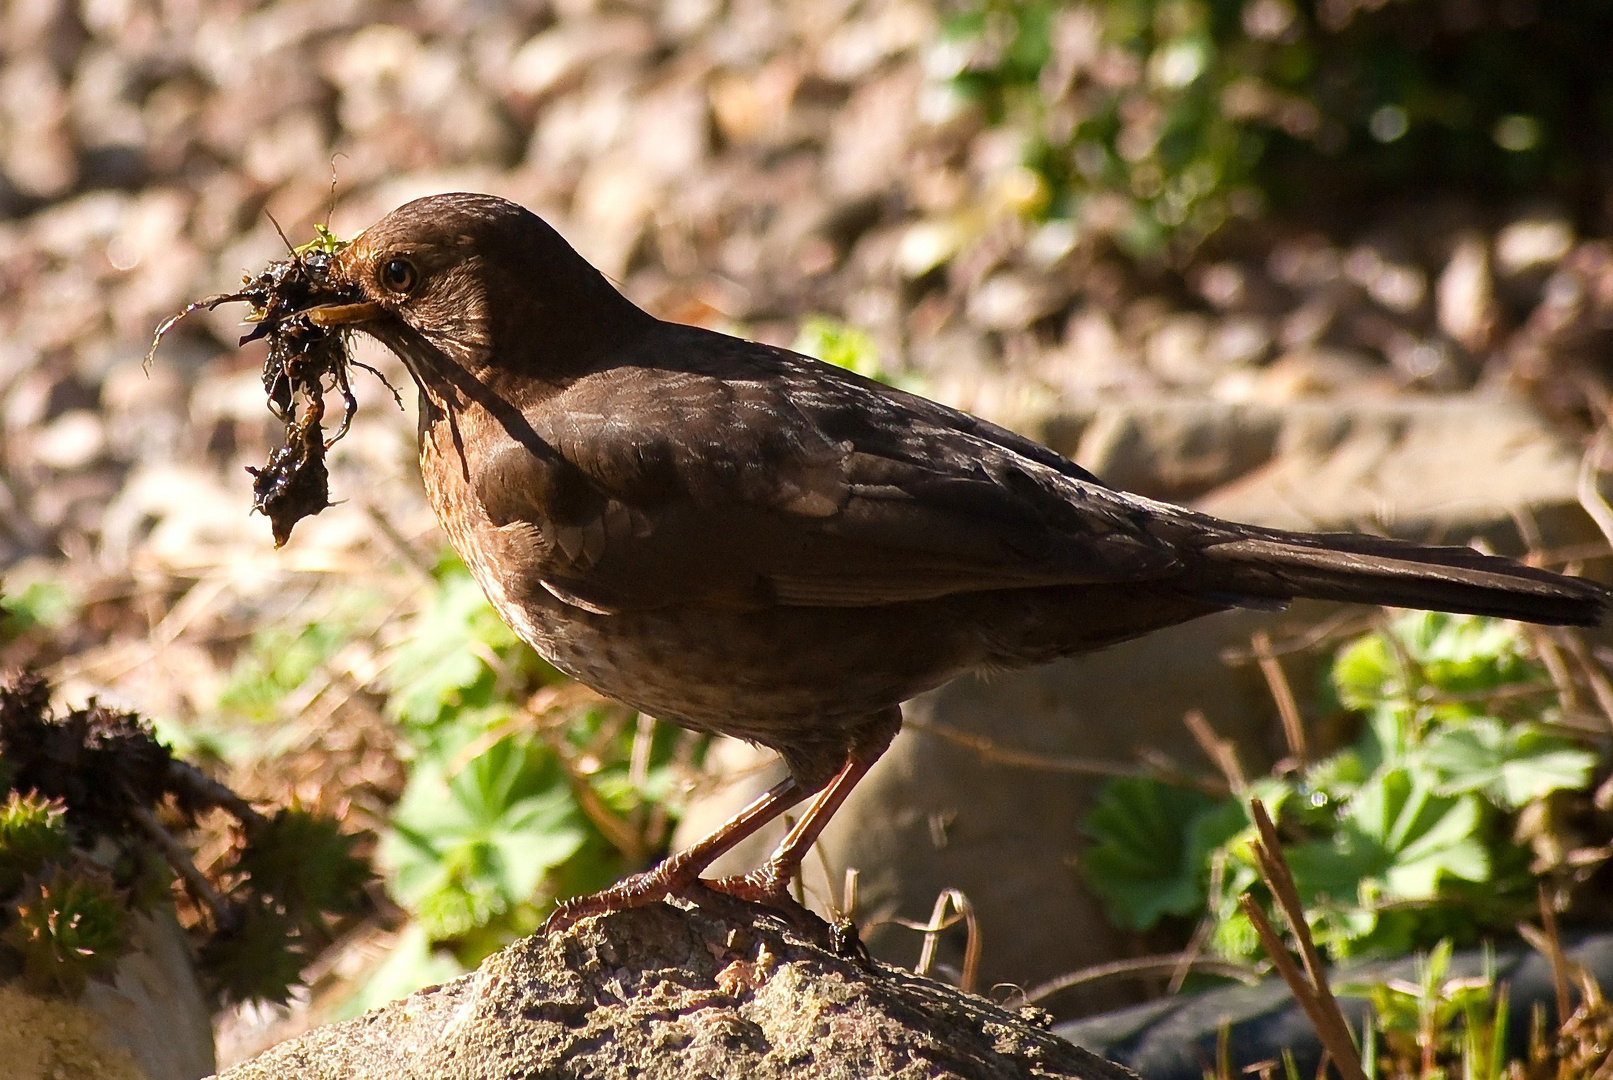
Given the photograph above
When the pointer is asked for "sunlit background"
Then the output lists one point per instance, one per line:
(1218, 215)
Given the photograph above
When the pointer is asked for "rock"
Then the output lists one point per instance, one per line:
(1170, 1039)
(52, 1039)
(154, 1007)
(73, 440)
(1532, 242)
(1464, 296)
(659, 993)
(1448, 469)
(1168, 448)
(150, 1022)
(1009, 301)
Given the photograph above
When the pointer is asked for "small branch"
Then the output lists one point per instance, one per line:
(174, 853)
(1594, 675)
(1554, 953)
(187, 778)
(413, 559)
(1155, 766)
(1283, 694)
(1303, 992)
(1311, 991)
(1589, 491)
(1222, 754)
(1165, 964)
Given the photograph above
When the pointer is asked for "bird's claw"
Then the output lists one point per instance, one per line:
(638, 890)
(768, 885)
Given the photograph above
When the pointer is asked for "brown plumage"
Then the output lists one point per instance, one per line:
(736, 538)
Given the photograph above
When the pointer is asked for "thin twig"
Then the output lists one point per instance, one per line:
(1331, 1025)
(1025, 759)
(1593, 673)
(1222, 754)
(1550, 655)
(1554, 945)
(412, 558)
(1283, 694)
(1346, 623)
(1283, 961)
(187, 778)
(1162, 964)
(1589, 490)
(617, 830)
(1191, 955)
(174, 853)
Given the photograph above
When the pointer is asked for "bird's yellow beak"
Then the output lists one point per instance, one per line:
(330, 315)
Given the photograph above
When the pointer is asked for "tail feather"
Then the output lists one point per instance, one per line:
(1270, 564)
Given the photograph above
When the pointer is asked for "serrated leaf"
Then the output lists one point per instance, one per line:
(1151, 843)
(466, 848)
(1419, 836)
(1513, 764)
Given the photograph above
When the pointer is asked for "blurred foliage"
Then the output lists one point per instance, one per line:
(67, 927)
(44, 603)
(1435, 1025)
(33, 831)
(1159, 120)
(1404, 837)
(521, 789)
(841, 344)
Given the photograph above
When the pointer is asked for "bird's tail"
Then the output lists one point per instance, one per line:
(1269, 564)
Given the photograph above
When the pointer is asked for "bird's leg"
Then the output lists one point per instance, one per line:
(679, 872)
(770, 882)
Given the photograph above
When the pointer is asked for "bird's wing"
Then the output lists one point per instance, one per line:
(747, 477)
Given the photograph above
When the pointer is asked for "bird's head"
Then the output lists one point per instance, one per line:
(466, 284)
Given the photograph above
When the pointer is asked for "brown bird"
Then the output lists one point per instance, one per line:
(740, 539)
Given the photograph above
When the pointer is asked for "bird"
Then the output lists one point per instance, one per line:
(739, 539)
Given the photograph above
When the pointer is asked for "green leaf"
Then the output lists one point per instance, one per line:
(1416, 836)
(1365, 673)
(278, 662)
(466, 848)
(1512, 764)
(45, 602)
(1150, 849)
(443, 664)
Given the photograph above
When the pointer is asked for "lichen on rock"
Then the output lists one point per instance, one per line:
(661, 992)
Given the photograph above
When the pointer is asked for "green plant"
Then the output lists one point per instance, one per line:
(1398, 840)
(83, 841)
(68, 927)
(1158, 120)
(1435, 1025)
(33, 831)
(45, 603)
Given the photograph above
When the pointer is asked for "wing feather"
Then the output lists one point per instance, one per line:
(750, 477)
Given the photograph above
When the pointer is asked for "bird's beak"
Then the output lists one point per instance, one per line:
(331, 315)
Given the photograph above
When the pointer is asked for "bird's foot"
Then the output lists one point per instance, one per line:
(661, 882)
(769, 885)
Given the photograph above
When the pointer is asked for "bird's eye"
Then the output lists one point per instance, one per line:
(399, 275)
